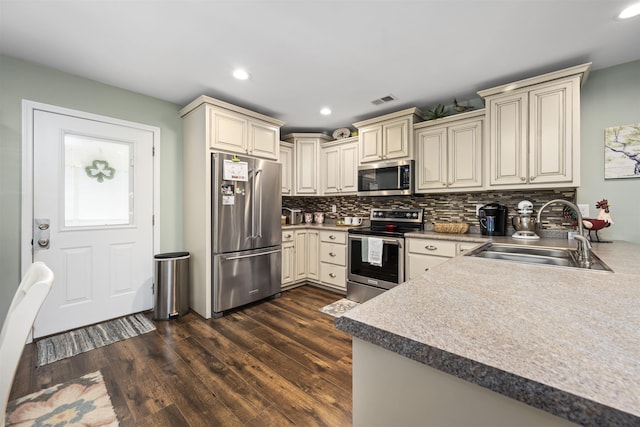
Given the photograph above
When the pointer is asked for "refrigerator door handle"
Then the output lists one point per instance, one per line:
(253, 204)
(259, 171)
(231, 258)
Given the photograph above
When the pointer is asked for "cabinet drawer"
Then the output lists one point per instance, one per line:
(333, 237)
(333, 275)
(287, 236)
(333, 253)
(432, 247)
(418, 264)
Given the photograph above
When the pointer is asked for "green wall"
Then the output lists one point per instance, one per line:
(610, 97)
(24, 80)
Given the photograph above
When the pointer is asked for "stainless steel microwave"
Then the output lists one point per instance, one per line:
(386, 179)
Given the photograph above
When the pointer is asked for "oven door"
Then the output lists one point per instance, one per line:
(390, 274)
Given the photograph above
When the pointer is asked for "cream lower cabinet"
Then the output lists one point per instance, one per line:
(422, 254)
(306, 255)
(333, 259)
(300, 255)
(314, 256)
(288, 258)
(339, 167)
(450, 153)
(534, 131)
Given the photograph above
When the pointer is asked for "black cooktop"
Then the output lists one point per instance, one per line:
(402, 220)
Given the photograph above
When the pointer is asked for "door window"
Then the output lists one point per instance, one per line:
(98, 182)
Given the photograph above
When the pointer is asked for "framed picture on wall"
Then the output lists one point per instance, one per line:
(622, 151)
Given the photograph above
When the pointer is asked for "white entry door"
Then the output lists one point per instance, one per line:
(93, 188)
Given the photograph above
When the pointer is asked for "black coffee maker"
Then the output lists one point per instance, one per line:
(493, 219)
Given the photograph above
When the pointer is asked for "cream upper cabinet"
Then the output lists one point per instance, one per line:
(286, 160)
(339, 167)
(388, 137)
(263, 140)
(306, 155)
(450, 153)
(534, 131)
(232, 129)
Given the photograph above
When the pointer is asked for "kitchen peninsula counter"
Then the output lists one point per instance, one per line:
(565, 341)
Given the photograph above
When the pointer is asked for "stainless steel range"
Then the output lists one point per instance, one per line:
(376, 254)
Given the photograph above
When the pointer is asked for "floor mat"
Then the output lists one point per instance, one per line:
(83, 401)
(338, 308)
(78, 341)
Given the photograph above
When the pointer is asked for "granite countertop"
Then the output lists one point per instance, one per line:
(563, 340)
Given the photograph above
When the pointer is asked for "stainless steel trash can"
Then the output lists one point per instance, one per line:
(171, 285)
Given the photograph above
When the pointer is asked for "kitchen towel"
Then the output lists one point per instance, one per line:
(375, 251)
(364, 249)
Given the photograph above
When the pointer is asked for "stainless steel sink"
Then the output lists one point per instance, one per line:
(562, 257)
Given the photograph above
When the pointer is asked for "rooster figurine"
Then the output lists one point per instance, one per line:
(603, 220)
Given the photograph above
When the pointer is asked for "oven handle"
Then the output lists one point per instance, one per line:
(396, 242)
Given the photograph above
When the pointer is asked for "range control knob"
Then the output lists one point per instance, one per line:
(415, 215)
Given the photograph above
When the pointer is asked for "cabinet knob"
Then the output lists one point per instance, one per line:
(532, 178)
(287, 235)
(431, 247)
(332, 275)
(426, 269)
(523, 179)
(332, 254)
(444, 184)
(332, 237)
(449, 183)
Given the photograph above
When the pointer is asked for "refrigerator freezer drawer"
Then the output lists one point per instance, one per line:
(243, 277)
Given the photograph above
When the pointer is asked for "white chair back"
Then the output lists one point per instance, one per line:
(26, 303)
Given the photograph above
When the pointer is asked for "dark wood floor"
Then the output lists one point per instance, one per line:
(275, 363)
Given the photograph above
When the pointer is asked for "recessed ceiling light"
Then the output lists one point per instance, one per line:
(240, 74)
(325, 111)
(630, 12)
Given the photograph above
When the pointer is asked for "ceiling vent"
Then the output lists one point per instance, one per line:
(383, 100)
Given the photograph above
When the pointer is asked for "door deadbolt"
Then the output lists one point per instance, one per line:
(41, 233)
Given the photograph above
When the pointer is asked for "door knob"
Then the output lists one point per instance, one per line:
(43, 242)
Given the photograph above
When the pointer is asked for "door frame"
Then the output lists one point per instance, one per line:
(26, 226)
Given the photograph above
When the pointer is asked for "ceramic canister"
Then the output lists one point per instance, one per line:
(308, 218)
(319, 217)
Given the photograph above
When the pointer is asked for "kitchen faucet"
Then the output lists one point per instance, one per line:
(584, 255)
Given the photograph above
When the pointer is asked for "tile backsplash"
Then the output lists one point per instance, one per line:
(450, 207)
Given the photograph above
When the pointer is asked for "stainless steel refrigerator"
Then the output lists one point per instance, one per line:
(246, 230)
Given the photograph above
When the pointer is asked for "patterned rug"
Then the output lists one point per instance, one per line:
(338, 308)
(70, 343)
(84, 401)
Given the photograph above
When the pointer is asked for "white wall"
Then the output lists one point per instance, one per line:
(24, 80)
(610, 97)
